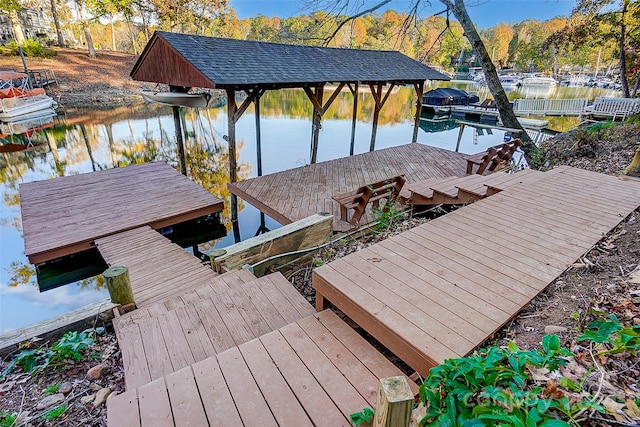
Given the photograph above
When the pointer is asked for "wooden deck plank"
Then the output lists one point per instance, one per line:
(178, 346)
(319, 407)
(133, 356)
(282, 288)
(221, 338)
(62, 215)
(248, 399)
(434, 279)
(492, 256)
(281, 401)
(194, 331)
(155, 347)
(124, 409)
(183, 393)
(281, 197)
(155, 409)
(215, 395)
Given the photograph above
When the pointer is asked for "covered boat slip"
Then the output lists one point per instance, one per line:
(62, 216)
(298, 193)
(439, 290)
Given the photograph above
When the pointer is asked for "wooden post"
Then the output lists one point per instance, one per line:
(231, 140)
(216, 253)
(119, 285)
(258, 134)
(419, 88)
(376, 90)
(395, 401)
(354, 117)
(317, 120)
(459, 136)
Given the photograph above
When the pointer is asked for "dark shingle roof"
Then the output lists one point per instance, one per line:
(229, 62)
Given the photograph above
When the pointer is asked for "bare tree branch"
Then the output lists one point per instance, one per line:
(351, 18)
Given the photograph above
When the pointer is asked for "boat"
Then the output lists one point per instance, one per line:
(30, 122)
(441, 100)
(510, 81)
(194, 100)
(17, 99)
(538, 81)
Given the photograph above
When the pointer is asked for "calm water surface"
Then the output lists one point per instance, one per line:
(94, 140)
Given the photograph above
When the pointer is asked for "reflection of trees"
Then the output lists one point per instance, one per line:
(25, 274)
(208, 162)
(295, 104)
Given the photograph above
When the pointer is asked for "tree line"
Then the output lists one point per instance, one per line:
(558, 45)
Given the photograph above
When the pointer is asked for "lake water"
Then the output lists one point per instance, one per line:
(93, 140)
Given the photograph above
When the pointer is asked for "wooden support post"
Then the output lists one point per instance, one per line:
(459, 136)
(215, 265)
(317, 120)
(119, 285)
(395, 401)
(354, 117)
(177, 123)
(258, 134)
(375, 91)
(419, 87)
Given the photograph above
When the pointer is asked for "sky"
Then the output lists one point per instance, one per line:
(484, 13)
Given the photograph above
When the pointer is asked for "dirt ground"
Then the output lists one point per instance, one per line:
(100, 82)
(603, 279)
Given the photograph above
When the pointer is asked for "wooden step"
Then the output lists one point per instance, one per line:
(315, 371)
(525, 176)
(450, 188)
(167, 337)
(422, 192)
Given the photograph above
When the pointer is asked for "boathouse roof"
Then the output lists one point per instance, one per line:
(211, 62)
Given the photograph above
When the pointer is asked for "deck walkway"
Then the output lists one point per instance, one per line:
(65, 215)
(298, 193)
(316, 371)
(158, 268)
(232, 309)
(439, 290)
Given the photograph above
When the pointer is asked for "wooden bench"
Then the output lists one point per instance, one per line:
(359, 199)
(492, 157)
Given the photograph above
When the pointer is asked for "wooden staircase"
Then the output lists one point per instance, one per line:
(456, 190)
(232, 309)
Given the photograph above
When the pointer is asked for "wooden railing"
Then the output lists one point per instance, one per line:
(549, 107)
(614, 107)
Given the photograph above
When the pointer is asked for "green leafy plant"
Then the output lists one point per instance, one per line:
(69, 347)
(52, 389)
(607, 330)
(317, 262)
(32, 48)
(55, 412)
(385, 215)
(8, 419)
(364, 416)
(493, 388)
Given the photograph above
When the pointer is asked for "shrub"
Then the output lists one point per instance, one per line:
(33, 48)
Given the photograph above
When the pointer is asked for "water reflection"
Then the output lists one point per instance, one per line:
(94, 140)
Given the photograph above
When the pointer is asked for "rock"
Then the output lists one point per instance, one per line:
(95, 372)
(87, 399)
(101, 396)
(50, 401)
(636, 321)
(552, 329)
(65, 388)
(94, 387)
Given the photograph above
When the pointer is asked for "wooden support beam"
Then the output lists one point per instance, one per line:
(258, 133)
(354, 116)
(419, 87)
(315, 96)
(395, 401)
(304, 234)
(379, 100)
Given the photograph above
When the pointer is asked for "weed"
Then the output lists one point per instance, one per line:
(52, 389)
(55, 412)
(385, 215)
(69, 347)
(608, 330)
(8, 419)
(492, 387)
(32, 48)
(317, 262)
(364, 416)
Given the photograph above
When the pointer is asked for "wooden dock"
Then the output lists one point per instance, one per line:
(316, 371)
(440, 290)
(158, 268)
(62, 216)
(298, 193)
